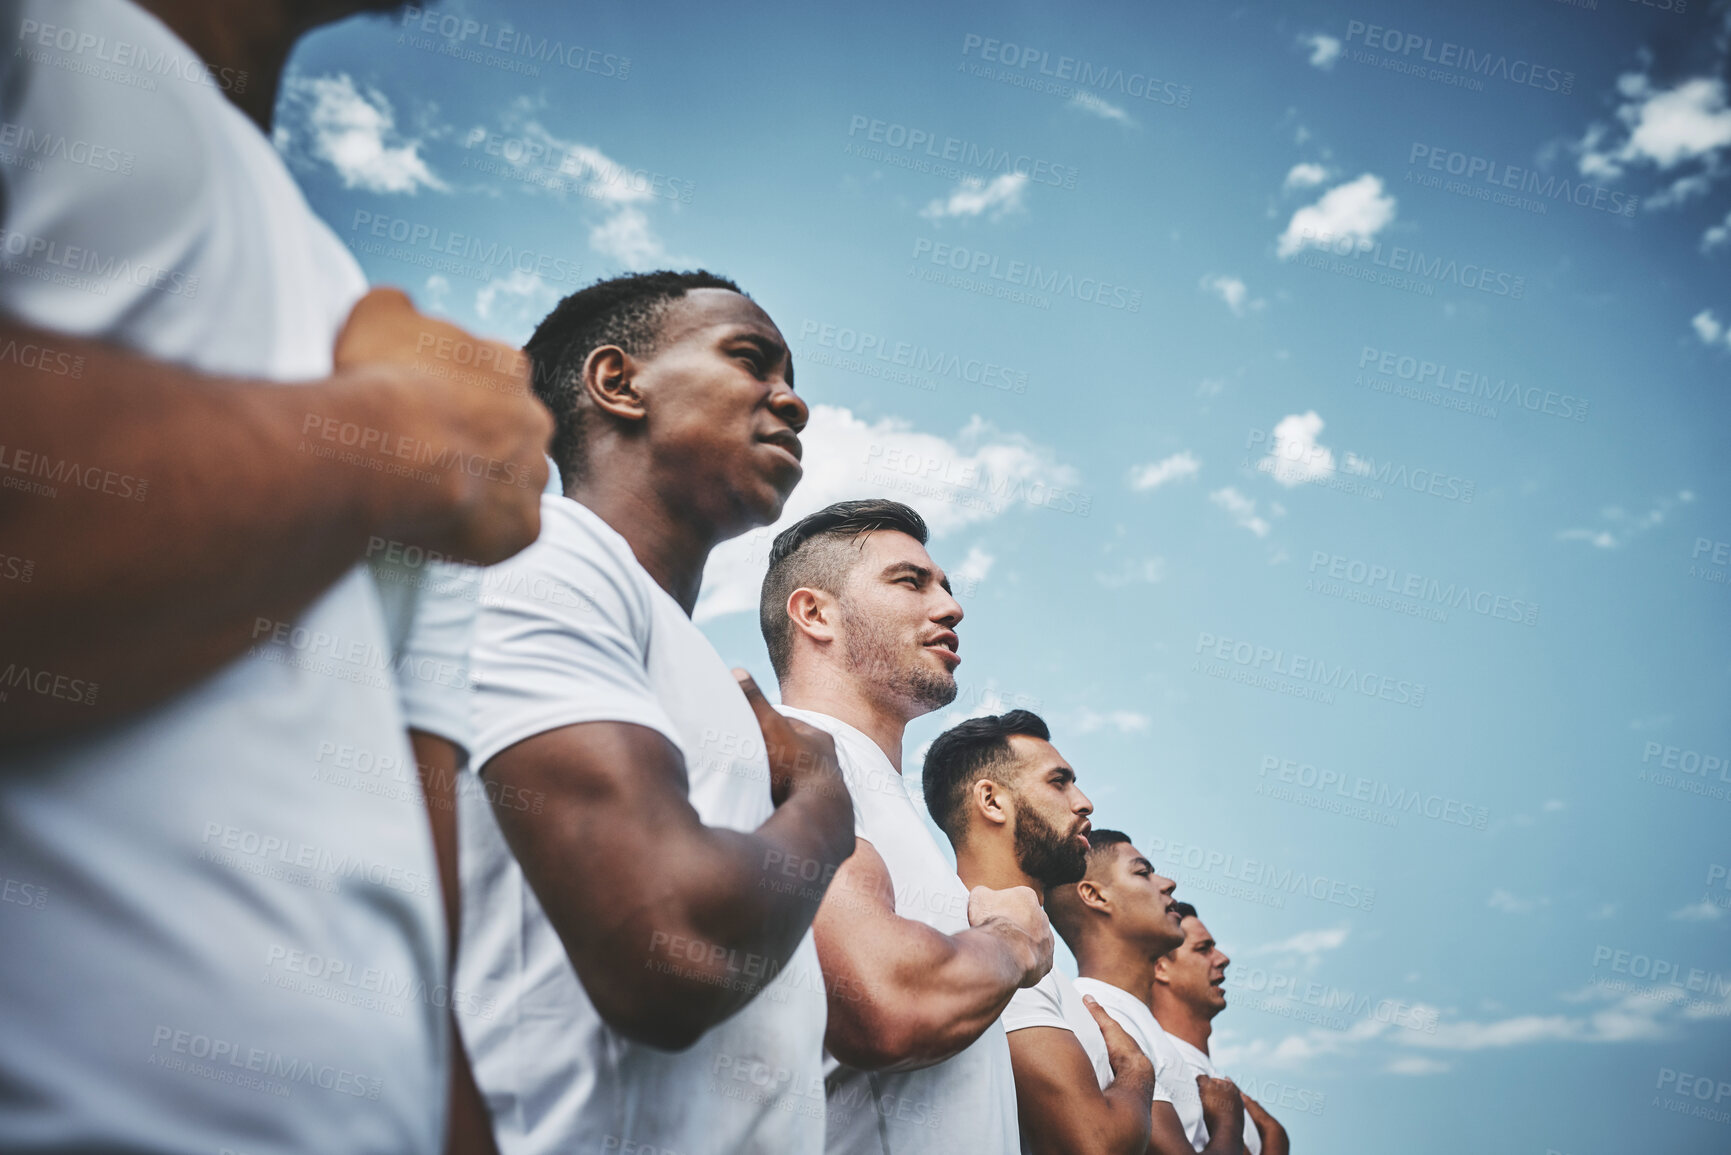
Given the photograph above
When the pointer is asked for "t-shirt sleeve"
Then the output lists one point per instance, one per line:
(433, 662)
(1035, 1006)
(562, 638)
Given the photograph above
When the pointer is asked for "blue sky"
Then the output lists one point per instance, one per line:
(1322, 411)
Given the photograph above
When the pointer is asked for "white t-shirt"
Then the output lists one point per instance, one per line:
(1171, 1085)
(968, 1101)
(235, 944)
(1198, 1063)
(1055, 1002)
(573, 630)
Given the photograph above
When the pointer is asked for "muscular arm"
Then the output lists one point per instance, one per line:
(187, 509)
(469, 1129)
(1166, 1132)
(1059, 1102)
(672, 925)
(901, 994)
(1274, 1138)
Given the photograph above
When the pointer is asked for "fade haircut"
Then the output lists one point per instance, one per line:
(1185, 910)
(624, 311)
(818, 552)
(966, 752)
(1063, 904)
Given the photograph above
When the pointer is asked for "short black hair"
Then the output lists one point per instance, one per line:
(1063, 905)
(966, 752)
(1185, 910)
(808, 554)
(624, 311)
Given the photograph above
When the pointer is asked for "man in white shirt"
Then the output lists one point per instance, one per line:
(1188, 990)
(861, 629)
(1117, 921)
(644, 925)
(231, 951)
(1010, 806)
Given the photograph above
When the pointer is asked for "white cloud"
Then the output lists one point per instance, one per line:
(1305, 175)
(1003, 194)
(1233, 291)
(1662, 127)
(627, 239)
(1417, 1065)
(1703, 911)
(569, 165)
(438, 290)
(1355, 211)
(1716, 235)
(1623, 526)
(1179, 467)
(973, 569)
(1087, 721)
(1104, 109)
(517, 300)
(975, 477)
(1146, 572)
(1242, 509)
(1309, 942)
(356, 133)
(1708, 328)
(1508, 903)
(1324, 50)
(1296, 458)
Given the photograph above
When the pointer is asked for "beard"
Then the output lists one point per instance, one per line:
(1046, 853)
(893, 664)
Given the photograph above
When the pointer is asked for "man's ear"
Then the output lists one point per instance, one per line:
(610, 382)
(1091, 895)
(1162, 972)
(991, 802)
(813, 613)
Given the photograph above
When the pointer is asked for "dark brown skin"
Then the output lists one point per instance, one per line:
(685, 449)
(239, 523)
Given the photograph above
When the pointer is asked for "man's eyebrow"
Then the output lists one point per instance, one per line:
(896, 568)
(1140, 861)
(774, 347)
(1205, 945)
(1064, 772)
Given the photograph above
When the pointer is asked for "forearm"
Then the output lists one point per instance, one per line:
(1225, 1136)
(932, 1001)
(166, 514)
(1125, 1125)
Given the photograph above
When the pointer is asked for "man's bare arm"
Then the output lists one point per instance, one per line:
(1059, 1102)
(903, 995)
(182, 510)
(671, 925)
(1274, 1137)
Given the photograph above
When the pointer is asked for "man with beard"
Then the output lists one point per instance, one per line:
(861, 629)
(657, 987)
(1118, 921)
(1188, 990)
(1009, 804)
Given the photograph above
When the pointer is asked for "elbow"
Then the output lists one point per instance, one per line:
(667, 1024)
(888, 1042)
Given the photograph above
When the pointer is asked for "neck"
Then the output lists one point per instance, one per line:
(1181, 1020)
(251, 40)
(672, 550)
(846, 700)
(1125, 965)
(983, 863)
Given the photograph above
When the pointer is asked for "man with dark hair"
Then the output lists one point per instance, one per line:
(861, 628)
(1188, 990)
(624, 872)
(1010, 806)
(1117, 920)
